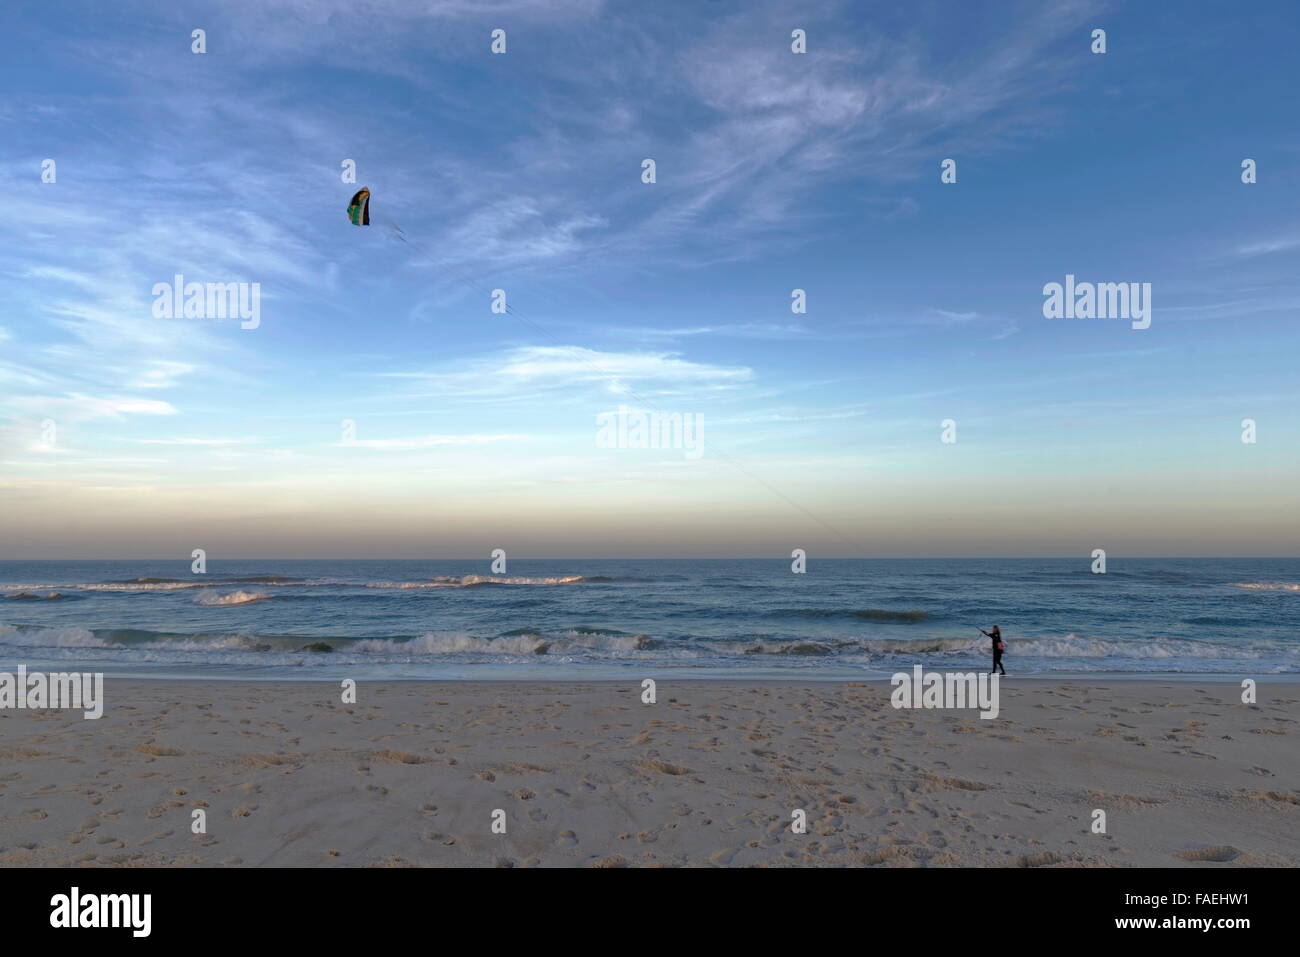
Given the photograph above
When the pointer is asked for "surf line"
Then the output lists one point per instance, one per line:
(64, 689)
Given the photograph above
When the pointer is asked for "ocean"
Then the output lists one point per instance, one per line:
(605, 618)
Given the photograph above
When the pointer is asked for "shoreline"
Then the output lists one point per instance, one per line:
(356, 672)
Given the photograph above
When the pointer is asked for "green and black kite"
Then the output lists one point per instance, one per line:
(359, 208)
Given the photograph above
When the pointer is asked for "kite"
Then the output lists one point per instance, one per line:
(359, 208)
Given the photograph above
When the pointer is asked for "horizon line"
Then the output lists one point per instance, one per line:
(677, 558)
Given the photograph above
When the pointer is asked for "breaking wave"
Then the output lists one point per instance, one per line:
(476, 581)
(230, 598)
(50, 637)
(518, 642)
(606, 643)
(141, 586)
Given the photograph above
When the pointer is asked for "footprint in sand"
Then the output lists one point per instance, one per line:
(566, 839)
(723, 858)
(1218, 854)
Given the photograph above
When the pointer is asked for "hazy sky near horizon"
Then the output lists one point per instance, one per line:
(123, 434)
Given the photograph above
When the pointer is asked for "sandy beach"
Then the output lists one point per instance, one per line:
(587, 775)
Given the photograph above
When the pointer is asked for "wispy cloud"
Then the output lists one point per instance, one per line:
(76, 407)
(420, 443)
(188, 440)
(548, 368)
(1266, 247)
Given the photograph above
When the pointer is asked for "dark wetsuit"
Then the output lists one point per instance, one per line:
(997, 653)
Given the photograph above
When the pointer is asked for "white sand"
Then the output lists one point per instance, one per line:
(587, 775)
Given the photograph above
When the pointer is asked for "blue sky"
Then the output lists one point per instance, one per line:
(775, 171)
